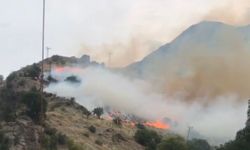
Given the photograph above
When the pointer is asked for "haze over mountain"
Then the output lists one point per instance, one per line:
(208, 59)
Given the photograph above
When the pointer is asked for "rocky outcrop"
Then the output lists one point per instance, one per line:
(23, 134)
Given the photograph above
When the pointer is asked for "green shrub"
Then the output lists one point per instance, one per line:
(8, 103)
(49, 142)
(98, 112)
(92, 129)
(140, 126)
(73, 146)
(34, 100)
(21, 82)
(98, 142)
(4, 142)
(241, 141)
(198, 144)
(173, 143)
(147, 138)
(117, 121)
(10, 79)
(33, 71)
(62, 139)
(72, 79)
(51, 79)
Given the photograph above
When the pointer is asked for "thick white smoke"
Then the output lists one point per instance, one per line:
(217, 121)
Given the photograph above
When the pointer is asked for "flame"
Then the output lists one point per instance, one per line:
(67, 69)
(157, 124)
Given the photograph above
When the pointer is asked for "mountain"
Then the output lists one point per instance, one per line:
(207, 50)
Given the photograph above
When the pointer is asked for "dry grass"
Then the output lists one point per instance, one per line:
(73, 123)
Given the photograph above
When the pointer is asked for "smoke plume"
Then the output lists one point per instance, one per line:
(99, 87)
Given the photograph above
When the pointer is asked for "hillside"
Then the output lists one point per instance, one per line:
(22, 127)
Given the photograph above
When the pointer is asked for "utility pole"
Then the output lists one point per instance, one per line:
(189, 131)
(42, 67)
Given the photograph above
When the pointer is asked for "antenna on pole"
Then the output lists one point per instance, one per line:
(189, 131)
(48, 49)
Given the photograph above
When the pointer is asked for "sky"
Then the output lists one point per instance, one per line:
(127, 30)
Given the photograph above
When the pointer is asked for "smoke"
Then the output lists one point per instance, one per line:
(200, 64)
(148, 24)
(121, 53)
(233, 12)
(99, 87)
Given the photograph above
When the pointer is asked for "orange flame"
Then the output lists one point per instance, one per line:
(157, 124)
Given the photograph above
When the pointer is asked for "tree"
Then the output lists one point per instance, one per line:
(172, 143)
(198, 144)
(241, 141)
(147, 138)
(98, 112)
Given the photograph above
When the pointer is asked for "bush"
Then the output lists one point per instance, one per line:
(173, 143)
(240, 143)
(8, 114)
(198, 144)
(118, 137)
(8, 103)
(140, 126)
(4, 142)
(87, 113)
(49, 142)
(33, 71)
(92, 129)
(51, 79)
(73, 146)
(99, 142)
(21, 82)
(10, 79)
(147, 138)
(98, 112)
(33, 100)
(62, 139)
(117, 121)
(72, 79)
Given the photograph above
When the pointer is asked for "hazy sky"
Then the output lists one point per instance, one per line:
(129, 29)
